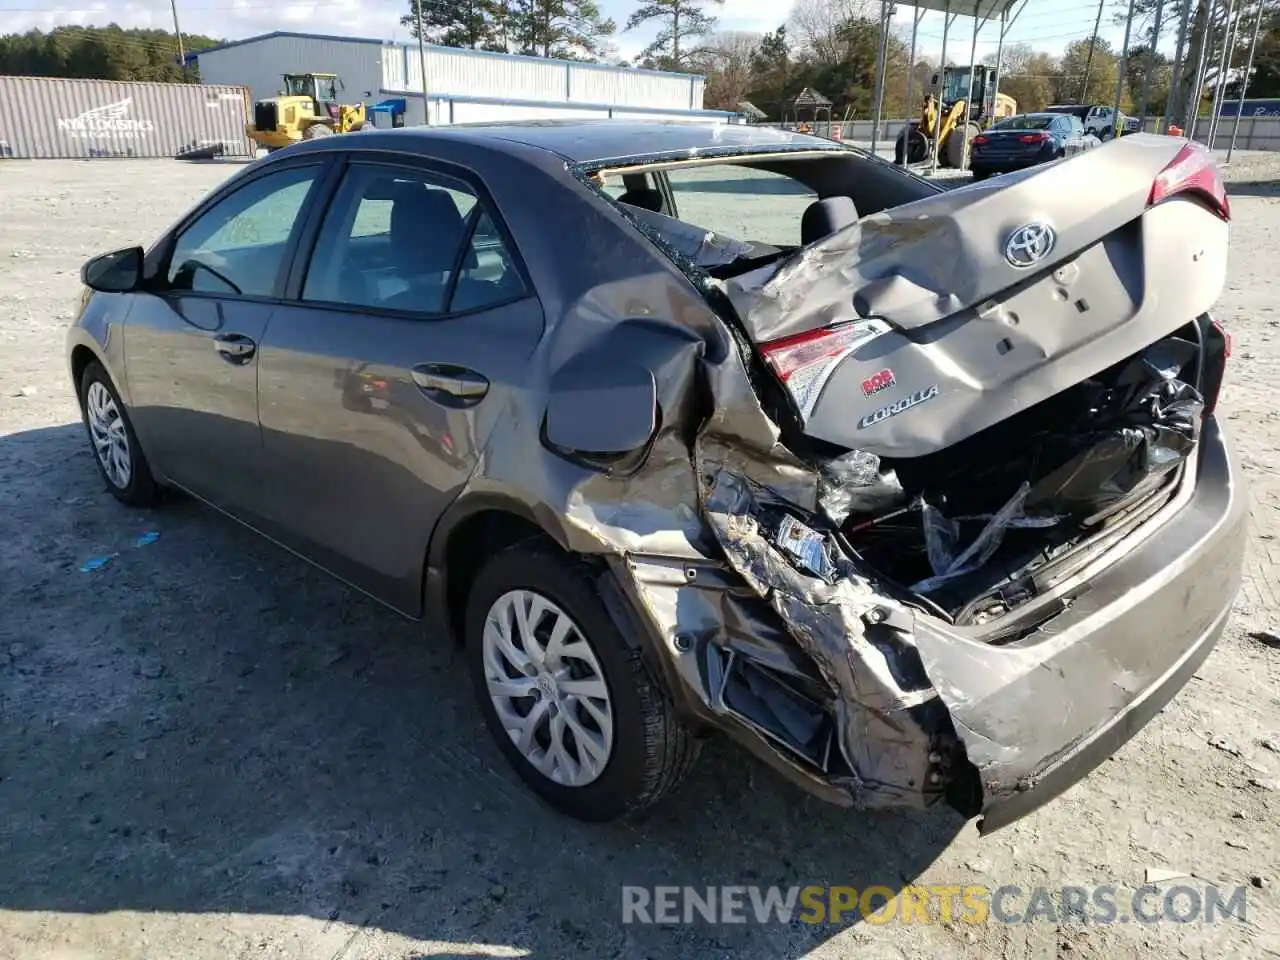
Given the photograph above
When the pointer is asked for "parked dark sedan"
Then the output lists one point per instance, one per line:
(1026, 140)
(918, 494)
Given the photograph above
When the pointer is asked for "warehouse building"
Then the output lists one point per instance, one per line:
(463, 86)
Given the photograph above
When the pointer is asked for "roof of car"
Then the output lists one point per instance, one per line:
(593, 141)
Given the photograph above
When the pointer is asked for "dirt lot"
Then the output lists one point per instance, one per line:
(210, 750)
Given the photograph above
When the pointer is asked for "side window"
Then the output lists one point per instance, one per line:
(238, 245)
(735, 201)
(393, 238)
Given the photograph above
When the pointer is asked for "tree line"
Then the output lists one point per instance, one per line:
(566, 29)
(100, 53)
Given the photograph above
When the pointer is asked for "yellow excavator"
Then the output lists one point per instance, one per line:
(945, 112)
(306, 108)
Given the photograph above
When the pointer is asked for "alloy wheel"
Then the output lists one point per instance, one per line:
(547, 688)
(110, 437)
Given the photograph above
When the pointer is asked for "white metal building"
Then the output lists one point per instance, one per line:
(463, 86)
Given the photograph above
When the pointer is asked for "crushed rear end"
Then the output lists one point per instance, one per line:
(1023, 509)
(967, 519)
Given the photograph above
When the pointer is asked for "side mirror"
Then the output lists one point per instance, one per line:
(117, 272)
(601, 409)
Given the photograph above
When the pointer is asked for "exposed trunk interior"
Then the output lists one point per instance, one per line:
(980, 527)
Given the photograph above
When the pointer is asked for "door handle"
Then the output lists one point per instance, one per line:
(235, 347)
(451, 380)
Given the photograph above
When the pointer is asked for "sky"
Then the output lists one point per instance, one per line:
(1045, 24)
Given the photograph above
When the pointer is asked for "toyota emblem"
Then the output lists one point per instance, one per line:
(1029, 244)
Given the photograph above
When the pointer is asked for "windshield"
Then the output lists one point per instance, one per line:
(955, 85)
(1024, 123)
(300, 86)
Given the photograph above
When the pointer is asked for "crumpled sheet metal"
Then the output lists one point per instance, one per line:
(922, 261)
(878, 733)
(742, 467)
(811, 289)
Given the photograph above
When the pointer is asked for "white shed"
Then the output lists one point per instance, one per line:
(462, 85)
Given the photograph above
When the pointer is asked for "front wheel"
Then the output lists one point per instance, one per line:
(571, 705)
(316, 131)
(115, 446)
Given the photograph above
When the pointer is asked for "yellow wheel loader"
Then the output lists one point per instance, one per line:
(945, 112)
(306, 108)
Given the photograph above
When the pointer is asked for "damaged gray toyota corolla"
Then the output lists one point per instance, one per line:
(919, 495)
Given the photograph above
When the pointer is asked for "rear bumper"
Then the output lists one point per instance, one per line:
(1037, 715)
(880, 727)
(1007, 164)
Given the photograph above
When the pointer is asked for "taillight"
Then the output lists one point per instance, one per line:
(1193, 171)
(804, 362)
(979, 139)
(1033, 138)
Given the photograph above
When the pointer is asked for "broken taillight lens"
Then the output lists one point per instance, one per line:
(1193, 171)
(805, 361)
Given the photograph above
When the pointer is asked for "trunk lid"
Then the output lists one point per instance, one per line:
(919, 326)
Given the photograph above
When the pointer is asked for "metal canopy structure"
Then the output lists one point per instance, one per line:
(1228, 22)
(982, 12)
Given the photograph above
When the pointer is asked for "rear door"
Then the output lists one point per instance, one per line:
(411, 322)
(191, 344)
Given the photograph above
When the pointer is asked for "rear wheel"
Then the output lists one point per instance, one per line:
(911, 146)
(572, 707)
(115, 446)
(958, 147)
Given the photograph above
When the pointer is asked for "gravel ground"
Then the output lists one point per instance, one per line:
(210, 750)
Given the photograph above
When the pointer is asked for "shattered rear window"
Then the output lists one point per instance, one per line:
(736, 201)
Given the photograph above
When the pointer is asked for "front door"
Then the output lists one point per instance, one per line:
(379, 385)
(192, 345)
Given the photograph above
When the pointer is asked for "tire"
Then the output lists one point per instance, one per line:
(957, 148)
(980, 174)
(900, 149)
(649, 751)
(106, 421)
(316, 131)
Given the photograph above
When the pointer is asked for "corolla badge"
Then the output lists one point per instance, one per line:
(1029, 244)
(893, 409)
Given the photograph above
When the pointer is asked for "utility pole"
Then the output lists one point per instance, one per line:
(422, 61)
(886, 15)
(1244, 81)
(1224, 64)
(182, 54)
(1093, 42)
(1202, 70)
(1116, 128)
(1175, 77)
(1146, 74)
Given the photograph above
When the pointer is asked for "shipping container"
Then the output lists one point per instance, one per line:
(46, 117)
